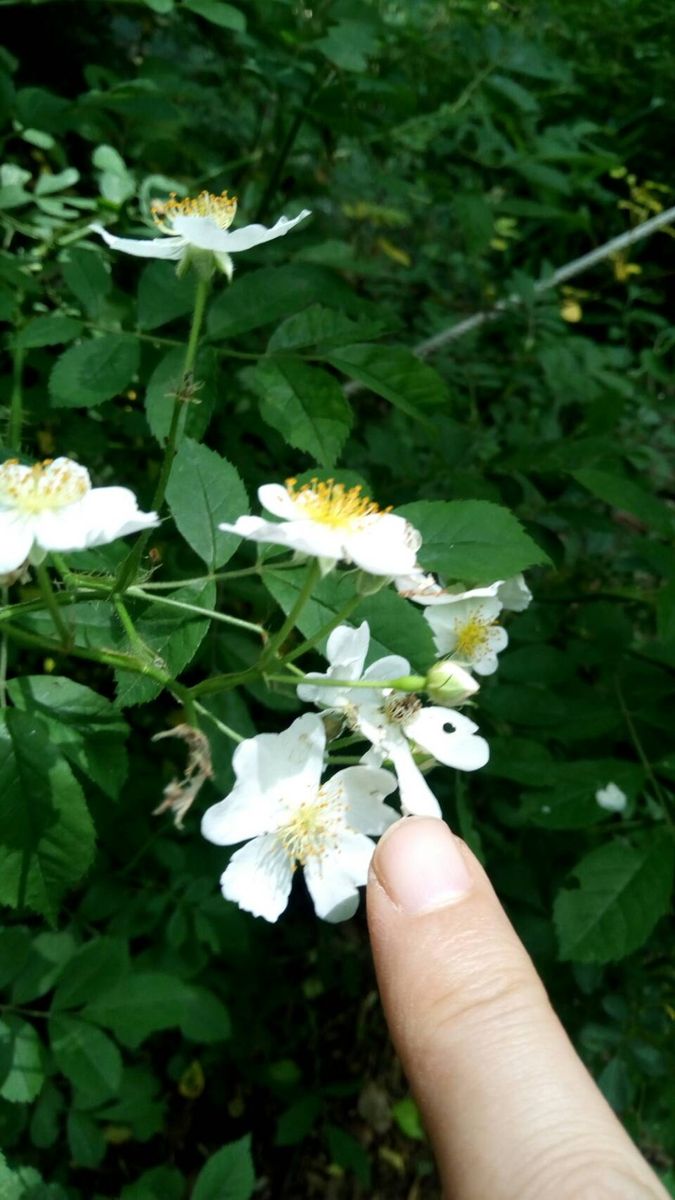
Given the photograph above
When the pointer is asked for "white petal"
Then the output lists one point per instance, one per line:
(258, 878)
(255, 235)
(460, 748)
(277, 500)
(242, 815)
(306, 536)
(283, 764)
(416, 796)
(363, 790)
(333, 880)
(611, 798)
(102, 515)
(161, 247)
(386, 545)
(16, 539)
(347, 649)
(514, 593)
(390, 667)
(484, 661)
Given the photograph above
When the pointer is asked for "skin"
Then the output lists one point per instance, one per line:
(510, 1109)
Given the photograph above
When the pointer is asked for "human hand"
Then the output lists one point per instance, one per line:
(510, 1109)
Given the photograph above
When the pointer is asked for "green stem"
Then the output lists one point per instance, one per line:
(197, 610)
(16, 401)
(309, 643)
(405, 683)
(278, 638)
(648, 769)
(132, 562)
(52, 605)
(231, 733)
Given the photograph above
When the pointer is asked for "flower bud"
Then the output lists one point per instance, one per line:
(449, 684)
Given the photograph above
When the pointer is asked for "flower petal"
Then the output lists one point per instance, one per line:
(287, 763)
(363, 790)
(514, 593)
(333, 881)
(255, 235)
(277, 500)
(461, 749)
(416, 796)
(16, 539)
(392, 666)
(347, 648)
(242, 815)
(161, 247)
(386, 545)
(304, 536)
(259, 877)
(101, 516)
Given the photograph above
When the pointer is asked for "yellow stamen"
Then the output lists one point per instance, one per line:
(219, 209)
(472, 637)
(333, 504)
(47, 486)
(312, 828)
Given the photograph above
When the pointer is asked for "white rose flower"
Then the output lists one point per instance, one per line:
(513, 594)
(394, 722)
(333, 523)
(611, 798)
(52, 506)
(468, 630)
(200, 223)
(288, 817)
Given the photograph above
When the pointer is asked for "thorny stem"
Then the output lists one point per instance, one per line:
(52, 605)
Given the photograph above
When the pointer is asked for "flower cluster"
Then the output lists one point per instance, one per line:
(279, 807)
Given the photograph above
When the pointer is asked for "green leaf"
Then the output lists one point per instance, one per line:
(48, 331)
(348, 44)
(144, 1003)
(26, 1072)
(88, 276)
(86, 727)
(97, 966)
(85, 1140)
(163, 295)
(623, 891)
(474, 541)
(407, 1116)
(94, 371)
(320, 327)
(218, 13)
(170, 635)
(569, 802)
(159, 1183)
(622, 493)
(228, 1175)
(305, 405)
(394, 373)
(205, 1018)
(348, 1153)
(87, 1057)
(205, 489)
(298, 1120)
(396, 627)
(46, 833)
(162, 387)
(273, 293)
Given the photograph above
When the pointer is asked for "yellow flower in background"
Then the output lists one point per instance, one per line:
(623, 269)
(571, 310)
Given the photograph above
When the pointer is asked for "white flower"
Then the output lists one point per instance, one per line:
(278, 801)
(200, 223)
(468, 629)
(394, 722)
(332, 522)
(52, 506)
(513, 594)
(611, 798)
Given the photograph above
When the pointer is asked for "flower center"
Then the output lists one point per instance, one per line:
(331, 503)
(46, 487)
(219, 209)
(313, 828)
(399, 707)
(473, 636)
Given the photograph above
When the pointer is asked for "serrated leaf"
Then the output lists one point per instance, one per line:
(171, 635)
(144, 1003)
(473, 541)
(205, 1018)
(48, 331)
(320, 327)
(85, 726)
(205, 489)
(395, 626)
(97, 966)
(228, 1175)
(623, 891)
(94, 371)
(395, 373)
(87, 1057)
(46, 833)
(273, 293)
(86, 274)
(163, 295)
(305, 405)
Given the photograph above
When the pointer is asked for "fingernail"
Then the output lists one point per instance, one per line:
(419, 864)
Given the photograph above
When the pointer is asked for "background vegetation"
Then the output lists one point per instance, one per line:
(452, 154)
